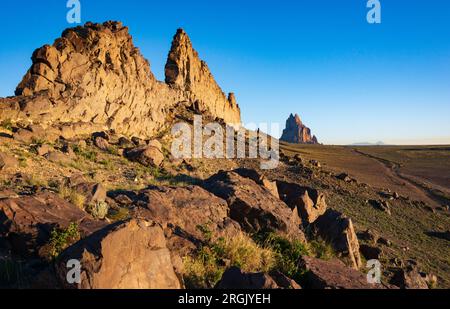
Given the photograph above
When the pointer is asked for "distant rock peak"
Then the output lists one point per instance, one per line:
(297, 133)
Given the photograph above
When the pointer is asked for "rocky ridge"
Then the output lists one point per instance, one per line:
(93, 78)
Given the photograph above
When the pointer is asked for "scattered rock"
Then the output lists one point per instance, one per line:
(23, 136)
(185, 211)
(315, 163)
(8, 162)
(125, 143)
(28, 221)
(58, 157)
(155, 143)
(309, 202)
(333, 274)
(147, 156)
(261, 180)
(130, 255)
(409, 278)
(101, 143)
(93, 192)
(368, 236)
(44, 149)
(254, 207)
(370, 252)
(338, 229)
(234, 278)
(344, 177)
(384, 241)
(381, 205)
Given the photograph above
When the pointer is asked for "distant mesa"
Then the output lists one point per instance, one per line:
(297, 133)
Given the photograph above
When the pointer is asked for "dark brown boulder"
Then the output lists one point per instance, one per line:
(253, 206)
(146, 155)
(128, 255)
(410, 278)
(26, 222)
(336, 228)
(188, 212)
(309, 202)
(370, 252)
(234, 278)
(333, 274)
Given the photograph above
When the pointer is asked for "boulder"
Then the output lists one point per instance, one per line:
(128, 255)
(146, 155)
(101, 143)
(410, 278)
(338, 229)
(26, 222)
(8, 162)
(58, 157)
(253, 206)
(333, 274)
(381, 205)
(259, 179)
(44, 149)
(309, 202)
(234, 278)
(93, 192)
(370, 252)
(185, 211)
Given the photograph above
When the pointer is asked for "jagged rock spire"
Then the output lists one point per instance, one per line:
(296, 132)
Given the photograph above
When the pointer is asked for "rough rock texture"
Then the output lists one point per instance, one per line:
(185, 70)
(7, 161)
(410, 278)
(335, 227)
(234, 278)
(130, 255)
(93, 78)
(28, 221)
(332, 274)
(182, 210)
(253, 206)
(297, 133)
(146, 155)
(309, 202)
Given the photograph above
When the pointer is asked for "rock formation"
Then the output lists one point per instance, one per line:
(297, 133)
(93, 77)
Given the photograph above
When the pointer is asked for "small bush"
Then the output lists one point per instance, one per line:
(321, 249)
(287, 253)
(72, 196)
(99, 210)
(205, 268)
(84, 153)
(62, 238)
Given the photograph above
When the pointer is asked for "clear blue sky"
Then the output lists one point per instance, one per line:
(349, 81)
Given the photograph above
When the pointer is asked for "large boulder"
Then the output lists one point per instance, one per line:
(259, 179)
(187, 212)
(410, 278)
(146, 155)
(234, 278)
(253, 206)
(309, 202)
(338, 229)
(7, 161)
(129, 255)
(333, 274)
(27, 222)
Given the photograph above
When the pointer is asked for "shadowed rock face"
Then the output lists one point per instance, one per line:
(297, 133)
(94, 75)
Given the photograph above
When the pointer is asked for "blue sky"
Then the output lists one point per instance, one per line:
(349, 81)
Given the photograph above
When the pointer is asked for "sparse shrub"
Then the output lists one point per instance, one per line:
(287, 253)
(72, 196)
(7, 124)
(99, 210)
(85, 153)
(119, 214)
(62, 238)
(321, 249)
(205, 268)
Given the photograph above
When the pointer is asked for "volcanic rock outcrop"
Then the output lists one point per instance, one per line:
(94, 77)
(297, 133)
